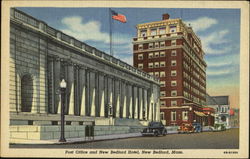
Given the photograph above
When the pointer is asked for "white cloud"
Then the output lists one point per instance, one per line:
(215, 38)
(219, 64)
(219, 72)
(202, 23)
(76, 27)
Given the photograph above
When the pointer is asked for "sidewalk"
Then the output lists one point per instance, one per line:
(76, 140)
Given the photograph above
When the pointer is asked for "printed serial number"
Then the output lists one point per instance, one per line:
(230, 152)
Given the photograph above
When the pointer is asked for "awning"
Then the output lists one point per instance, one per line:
(199, 113)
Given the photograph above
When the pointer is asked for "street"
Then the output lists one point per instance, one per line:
(228, 139)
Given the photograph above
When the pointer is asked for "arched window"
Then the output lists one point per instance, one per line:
(26, 93)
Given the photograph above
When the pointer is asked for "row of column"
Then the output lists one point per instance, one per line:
(92, 93)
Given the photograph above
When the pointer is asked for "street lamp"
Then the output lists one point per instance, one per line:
(63, 86)
(190, 114)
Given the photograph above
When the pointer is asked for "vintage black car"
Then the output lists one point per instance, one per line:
(154, 129)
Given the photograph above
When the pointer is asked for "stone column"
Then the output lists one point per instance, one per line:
(117, 94)
(135, 102)
(129, 103)
(140, 104)
(145, 104)
(92, 93)
(101, 94)
(124, 95)
(82, 86)
(87, 97)
(110, 91)
(70, 87)
(150, 113)
(57, 82)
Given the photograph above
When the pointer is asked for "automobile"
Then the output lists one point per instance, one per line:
(197, 127)
(154, 129)
(186, 128)
(218, 127)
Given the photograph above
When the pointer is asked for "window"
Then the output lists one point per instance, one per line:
(140, 57)
(151, 45)
(162, 54)
(162, 44)
(162, 103)
(173, 116)
(185, 115)
(162, 64)
(173, 73)
(156, 54)
(173, 83)
(172, 29)
(162, 74)
(27, 92)
(162, 116)
(156, 45)
(163, 93)
(156, 64)
(153, 31)
(173, 63)
(174, 93)
(140, 47)
(150, 65)
(150, 55)
(157, 74)
(140, 65)
(173, 103)
(162, 30)
(162, 83)
(173, 42)
(143, 33)
(151, 73)
(173, 53)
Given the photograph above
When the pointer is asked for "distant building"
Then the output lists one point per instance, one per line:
(222, 109)
(170, 50)
(234, 117)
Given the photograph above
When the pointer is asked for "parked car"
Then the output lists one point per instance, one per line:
(154, 129)
(219, 127)
(186, 128)
(197, 127)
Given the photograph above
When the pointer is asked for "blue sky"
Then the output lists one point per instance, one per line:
(219, 30)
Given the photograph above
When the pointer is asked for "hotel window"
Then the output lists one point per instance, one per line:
(140, 66)
(173, 83)
(150, 65)
(156, 45)
(162, 116)
(140, 47)
(143, 33)
(162, 64)
(162, 74)
(162, 103)
(151, 73)
(173, 103)
(163, 93)
(173, 63)
(173, 42)
(156, 64)
(140, 57)
(185, 115)
(172, 29)
(151, 45)
(162, 30)
(162, 54)
(153, 31)
(156, 54)
(173, 116)
(173, 73)
(174, 93)
(173, 53)
(162, 44)
(150, 55)
(157, 74)
(162, 83)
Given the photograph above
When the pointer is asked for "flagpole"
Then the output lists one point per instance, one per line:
(110, 32)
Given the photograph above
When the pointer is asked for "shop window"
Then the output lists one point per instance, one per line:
(185, 115)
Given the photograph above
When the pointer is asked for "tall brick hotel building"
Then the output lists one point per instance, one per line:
(170, 50)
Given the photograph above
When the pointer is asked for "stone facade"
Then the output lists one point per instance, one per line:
(100, 88)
